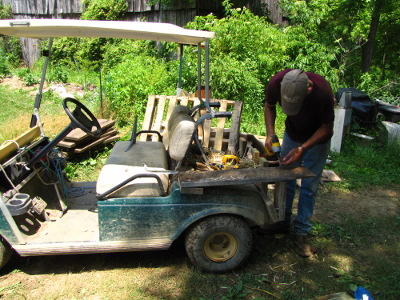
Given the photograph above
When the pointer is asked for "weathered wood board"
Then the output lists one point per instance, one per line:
(241, 176)
(220, 138)
(78, 134)
(11, 146)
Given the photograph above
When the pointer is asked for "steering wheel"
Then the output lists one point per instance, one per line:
(82, 117)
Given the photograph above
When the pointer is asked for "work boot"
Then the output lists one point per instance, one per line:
(302, 245)
(281, 227)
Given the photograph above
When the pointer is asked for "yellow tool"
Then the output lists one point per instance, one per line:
(276, 147)
(230, 159)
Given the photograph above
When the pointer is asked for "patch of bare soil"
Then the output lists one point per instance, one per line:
(372, 202)
(62, 89)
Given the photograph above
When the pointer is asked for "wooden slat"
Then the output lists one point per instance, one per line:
(206, 133)
(280, 199)
(219, 141)
(184, 101)
(160, 113)
(220, 127)
(241, 176)
(102, 140)
(171, 106)
(78, 134)
(233, 145)
(148, 117)
(70, 145)
(269, 205)
(22, 140)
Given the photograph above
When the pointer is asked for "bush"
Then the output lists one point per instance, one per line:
(247, 51)
(58, 74)
(4, 65)
(128, 85)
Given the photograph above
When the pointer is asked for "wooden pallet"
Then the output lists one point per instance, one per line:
(212, 133)
(78, 141)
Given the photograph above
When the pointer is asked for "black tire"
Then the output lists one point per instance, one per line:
(219, 243)
(5, 253)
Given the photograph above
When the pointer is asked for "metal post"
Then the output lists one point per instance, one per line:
(207, 75)
(180, 57)
(38, 99)
(199, 71)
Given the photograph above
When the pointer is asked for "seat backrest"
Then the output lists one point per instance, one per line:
(223, 136)
(180, 130)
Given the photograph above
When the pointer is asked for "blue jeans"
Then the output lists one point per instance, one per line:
(314, 160)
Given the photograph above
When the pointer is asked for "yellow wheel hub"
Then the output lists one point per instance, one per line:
(220, 247)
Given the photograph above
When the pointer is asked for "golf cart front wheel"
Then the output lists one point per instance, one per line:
(219, 243)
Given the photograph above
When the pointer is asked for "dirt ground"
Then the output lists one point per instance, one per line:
(14, 82)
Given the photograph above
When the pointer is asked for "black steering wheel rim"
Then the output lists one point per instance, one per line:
(83, 121)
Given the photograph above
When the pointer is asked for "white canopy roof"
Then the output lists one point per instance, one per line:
(44, 28)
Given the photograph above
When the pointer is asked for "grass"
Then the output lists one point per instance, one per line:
(17, 109)
(356, 230)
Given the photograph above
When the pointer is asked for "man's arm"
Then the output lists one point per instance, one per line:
(269, 118)
(324, 132)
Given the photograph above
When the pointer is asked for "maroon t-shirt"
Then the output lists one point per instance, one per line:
(317, 107)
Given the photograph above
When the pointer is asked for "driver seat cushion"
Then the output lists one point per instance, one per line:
(122, 165)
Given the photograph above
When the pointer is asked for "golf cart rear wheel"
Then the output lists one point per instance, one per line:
(5, 253)
(219, 243)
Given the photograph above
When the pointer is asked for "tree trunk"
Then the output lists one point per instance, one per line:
(368, 48)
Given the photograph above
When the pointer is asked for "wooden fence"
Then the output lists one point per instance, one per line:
(181, 13)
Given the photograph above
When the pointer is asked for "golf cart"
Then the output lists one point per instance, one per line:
(143, 198)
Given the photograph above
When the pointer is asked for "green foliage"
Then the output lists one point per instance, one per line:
(342, 28)
(248, 51)
(91, 49)
(27, 75)
(4, 65)
(87, 169)
(5, 11)
(58, 73)
(103, 9)
(130, 82)
(376, 164)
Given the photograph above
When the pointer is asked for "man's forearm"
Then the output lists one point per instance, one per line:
(269, 118)
(325, 132)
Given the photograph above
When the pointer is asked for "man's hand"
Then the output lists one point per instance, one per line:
(293, 156)
(268, 144)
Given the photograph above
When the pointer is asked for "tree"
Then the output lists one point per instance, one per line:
(368, 47)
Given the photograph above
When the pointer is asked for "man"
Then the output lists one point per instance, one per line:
(307, 100)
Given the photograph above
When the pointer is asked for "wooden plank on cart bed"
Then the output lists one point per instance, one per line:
(241, 176)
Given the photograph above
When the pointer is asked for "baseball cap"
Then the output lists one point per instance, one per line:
(293, 91)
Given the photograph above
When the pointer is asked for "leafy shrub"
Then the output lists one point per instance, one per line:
(26, 75)
(247, 51)
(128, 85)
(4, 65)
(104, 9)
(22, 72)
(30, 79)
(58, 74)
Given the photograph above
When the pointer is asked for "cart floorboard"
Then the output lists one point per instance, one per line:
(78, 224)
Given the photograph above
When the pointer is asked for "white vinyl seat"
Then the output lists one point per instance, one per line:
(145, 157)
